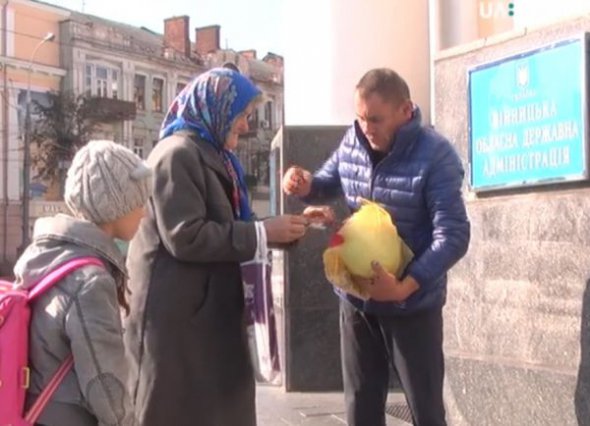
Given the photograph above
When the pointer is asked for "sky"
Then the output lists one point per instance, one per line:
(251, 24)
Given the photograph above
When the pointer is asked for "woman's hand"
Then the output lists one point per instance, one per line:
(285, 228)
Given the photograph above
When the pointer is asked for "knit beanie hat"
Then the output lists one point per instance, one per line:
(105, 182)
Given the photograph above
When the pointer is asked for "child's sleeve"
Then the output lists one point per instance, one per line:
(93, 325)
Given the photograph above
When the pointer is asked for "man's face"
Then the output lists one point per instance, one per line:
(379, 119)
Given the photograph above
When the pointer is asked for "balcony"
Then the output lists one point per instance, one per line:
(107, 110)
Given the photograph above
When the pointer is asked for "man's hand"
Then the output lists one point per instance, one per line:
(385, 287)
(320, 216)
(297, 181)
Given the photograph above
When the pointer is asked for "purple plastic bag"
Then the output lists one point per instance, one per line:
(260, 318)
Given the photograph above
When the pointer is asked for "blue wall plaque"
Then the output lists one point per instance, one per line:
(527, 118)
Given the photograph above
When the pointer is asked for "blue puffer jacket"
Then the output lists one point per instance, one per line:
(419, 183)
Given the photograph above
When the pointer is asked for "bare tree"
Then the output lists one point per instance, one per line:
(64, 124)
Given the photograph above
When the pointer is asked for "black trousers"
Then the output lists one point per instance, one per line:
(411, 344)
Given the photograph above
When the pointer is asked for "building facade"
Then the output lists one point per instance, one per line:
(26, 63)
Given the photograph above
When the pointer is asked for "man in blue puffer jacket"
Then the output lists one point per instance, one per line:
(389, 157)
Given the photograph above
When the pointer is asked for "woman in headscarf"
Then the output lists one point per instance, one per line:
(186, 336)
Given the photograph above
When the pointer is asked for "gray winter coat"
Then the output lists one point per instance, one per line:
(79, 315)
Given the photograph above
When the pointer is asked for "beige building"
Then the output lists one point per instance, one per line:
(23, 25)
(141, 72)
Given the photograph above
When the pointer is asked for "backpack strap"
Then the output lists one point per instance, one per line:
(38, 289)
(46, 394)
(57, 274)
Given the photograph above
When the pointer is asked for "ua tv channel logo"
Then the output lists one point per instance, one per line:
(490, 9)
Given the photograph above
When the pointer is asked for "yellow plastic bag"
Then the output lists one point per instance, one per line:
(368, 235)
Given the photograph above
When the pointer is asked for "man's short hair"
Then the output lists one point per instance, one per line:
(386, 83)
(231, 66)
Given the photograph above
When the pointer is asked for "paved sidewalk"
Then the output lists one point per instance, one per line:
(278, 408)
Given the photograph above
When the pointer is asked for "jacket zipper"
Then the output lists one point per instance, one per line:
(374, 173)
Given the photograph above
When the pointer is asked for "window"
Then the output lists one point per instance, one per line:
(88, 80)
(101, 80)
(139, 92)
(41, 97)
(179, 87)
(268, 114)
(253, 121)
(138, 147)
(115, 84)
(157, 94)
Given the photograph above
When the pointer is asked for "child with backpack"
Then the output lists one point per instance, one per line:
(77, 370)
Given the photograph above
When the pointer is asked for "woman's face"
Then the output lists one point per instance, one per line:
(238, 127)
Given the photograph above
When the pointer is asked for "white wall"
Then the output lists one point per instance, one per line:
(537, 12)
(456, 22)
(330, 44)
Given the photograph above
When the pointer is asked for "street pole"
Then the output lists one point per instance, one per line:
(27, 148)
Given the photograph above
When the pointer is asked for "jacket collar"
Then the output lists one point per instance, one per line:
(82, 233)
(210, 155)
(403, 139)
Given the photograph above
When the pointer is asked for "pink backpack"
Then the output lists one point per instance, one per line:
(14, 347)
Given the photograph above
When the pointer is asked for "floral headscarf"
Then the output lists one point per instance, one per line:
(208, 106)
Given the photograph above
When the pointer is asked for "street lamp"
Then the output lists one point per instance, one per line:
(27, 146)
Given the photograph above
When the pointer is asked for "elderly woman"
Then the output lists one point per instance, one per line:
(186, 335)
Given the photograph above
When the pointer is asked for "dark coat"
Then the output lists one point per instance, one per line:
(186, 336)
